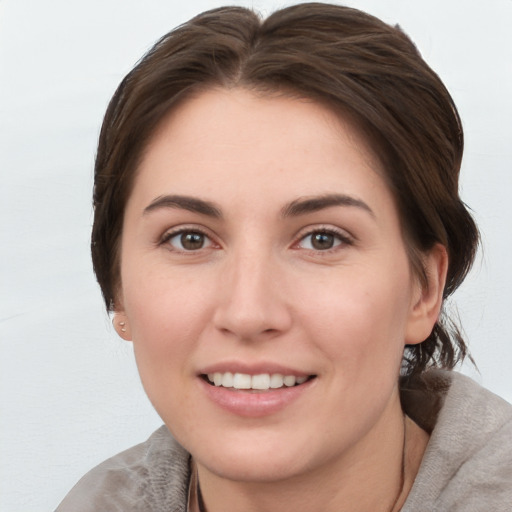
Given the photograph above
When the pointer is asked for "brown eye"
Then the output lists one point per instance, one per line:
(188, 241)
(192, 241)
(323, 240)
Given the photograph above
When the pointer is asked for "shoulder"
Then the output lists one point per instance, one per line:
(150, 476)
(468, 462)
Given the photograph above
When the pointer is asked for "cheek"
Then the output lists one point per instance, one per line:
(167, 316)
(165, 335)
(162, 304)
(361, 320)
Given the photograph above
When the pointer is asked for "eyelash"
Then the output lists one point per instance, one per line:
(169, 235)
(342, 237)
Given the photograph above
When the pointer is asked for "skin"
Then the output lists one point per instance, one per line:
(259, 292)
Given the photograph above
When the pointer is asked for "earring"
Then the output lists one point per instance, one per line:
(120, 327)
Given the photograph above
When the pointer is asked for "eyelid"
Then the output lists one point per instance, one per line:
(344, 236)
(170, 233)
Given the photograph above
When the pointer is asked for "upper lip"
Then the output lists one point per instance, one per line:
(252, 368)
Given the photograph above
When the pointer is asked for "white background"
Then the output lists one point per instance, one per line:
(69, 391)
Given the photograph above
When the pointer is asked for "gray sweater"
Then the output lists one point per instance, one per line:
(467, 466)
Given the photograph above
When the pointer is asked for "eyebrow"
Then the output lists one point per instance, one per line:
(191, 204)
(307, 205)
(296, 208)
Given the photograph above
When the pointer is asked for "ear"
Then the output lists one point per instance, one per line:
(428, 297)
(121, 325)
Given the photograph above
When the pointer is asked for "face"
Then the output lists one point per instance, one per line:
(265, 285)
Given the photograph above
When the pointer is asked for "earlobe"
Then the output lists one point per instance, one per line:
(427, 303)
(122, 326)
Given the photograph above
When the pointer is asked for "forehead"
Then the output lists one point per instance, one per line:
(251, 118)
(236, 137)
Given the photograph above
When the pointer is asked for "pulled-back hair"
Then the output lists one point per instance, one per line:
(352, 62)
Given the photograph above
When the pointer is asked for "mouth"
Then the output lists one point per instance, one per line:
(260, 382)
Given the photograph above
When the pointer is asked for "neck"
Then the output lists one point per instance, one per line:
(375, 476)
(415, 446)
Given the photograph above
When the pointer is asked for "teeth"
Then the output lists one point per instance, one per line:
(289, 381)
(262, 381)
(227, 380)
(276, 381)
(241, 381)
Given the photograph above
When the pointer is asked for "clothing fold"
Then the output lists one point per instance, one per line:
(467, 466)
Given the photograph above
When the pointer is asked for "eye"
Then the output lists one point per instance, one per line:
(323, 240)
(189, 240)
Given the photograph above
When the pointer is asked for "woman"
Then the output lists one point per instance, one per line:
(277, 225)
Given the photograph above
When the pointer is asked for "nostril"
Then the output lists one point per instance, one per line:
(249, 317)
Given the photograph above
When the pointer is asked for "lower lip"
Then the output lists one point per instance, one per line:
(254, 404)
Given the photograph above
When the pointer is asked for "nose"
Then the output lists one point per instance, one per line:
(252, 303)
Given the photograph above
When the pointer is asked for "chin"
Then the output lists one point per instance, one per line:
(261, 469)
(259, 456)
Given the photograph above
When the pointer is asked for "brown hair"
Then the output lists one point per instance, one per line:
(340, 56)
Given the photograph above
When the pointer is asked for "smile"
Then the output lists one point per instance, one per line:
(260, 382)
(255, 394)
